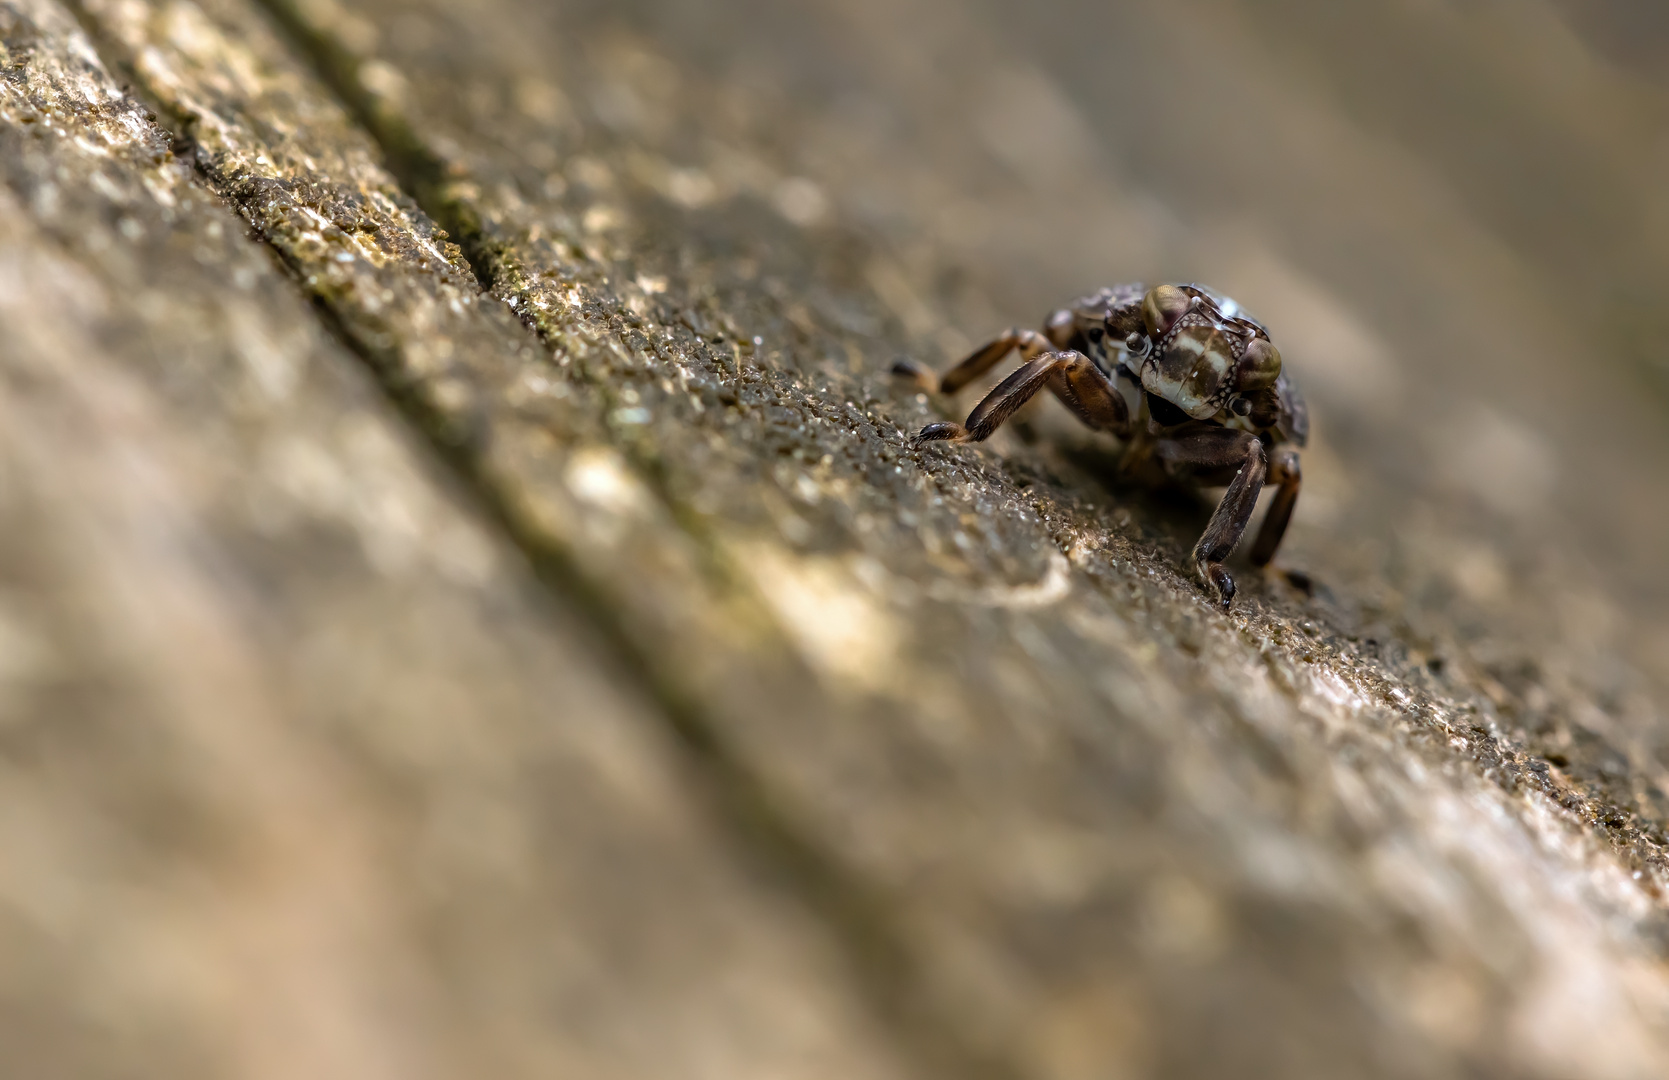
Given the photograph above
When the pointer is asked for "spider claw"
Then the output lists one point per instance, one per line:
(1224, 584)
(940, 432)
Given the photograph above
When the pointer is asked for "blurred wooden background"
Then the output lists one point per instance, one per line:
(468, 606)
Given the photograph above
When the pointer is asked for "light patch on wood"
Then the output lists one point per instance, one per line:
(1479, 573)
(824, 608)
(598, 476)
(1052, 588)
(383, 80)
(801, 201)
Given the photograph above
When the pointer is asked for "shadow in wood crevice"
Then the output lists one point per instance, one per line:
(421, 173)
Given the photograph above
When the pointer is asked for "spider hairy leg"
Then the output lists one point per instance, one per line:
(1057, 333)
(1284, 471)
(1211, 452)
(1071, 375)
(1001, 403)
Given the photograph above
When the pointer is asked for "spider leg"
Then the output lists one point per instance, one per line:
(1072, 376)
(1090, 394)
(1211, 452)
(1285, 472)
(1057, 333)
(1013, 392)
(917, 372)
(1030, 343)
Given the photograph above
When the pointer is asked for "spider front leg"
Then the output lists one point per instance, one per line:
(1285, 472)
(1056, 334)
(1072, 376)
(1214, 454)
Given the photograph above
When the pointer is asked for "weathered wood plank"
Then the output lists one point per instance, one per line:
(301, 773)
(1064, 816)
(1092, 808)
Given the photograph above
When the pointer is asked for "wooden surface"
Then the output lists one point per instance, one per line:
(468, 607)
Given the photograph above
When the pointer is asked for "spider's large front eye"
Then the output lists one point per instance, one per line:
(1259, 366)
(1162, 307)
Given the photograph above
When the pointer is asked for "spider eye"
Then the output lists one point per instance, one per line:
(1259, 366)
(1162, 307)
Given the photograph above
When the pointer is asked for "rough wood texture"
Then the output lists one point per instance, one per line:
(305, 776)
(621, 695)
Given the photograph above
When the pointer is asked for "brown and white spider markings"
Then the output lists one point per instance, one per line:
(1181, 374)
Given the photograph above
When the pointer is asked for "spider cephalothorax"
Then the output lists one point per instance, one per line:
(1181, 373)
(1200, 358)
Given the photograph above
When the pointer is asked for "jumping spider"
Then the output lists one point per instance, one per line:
(1180, 374)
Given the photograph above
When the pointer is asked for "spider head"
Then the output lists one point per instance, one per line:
(1204, 352)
